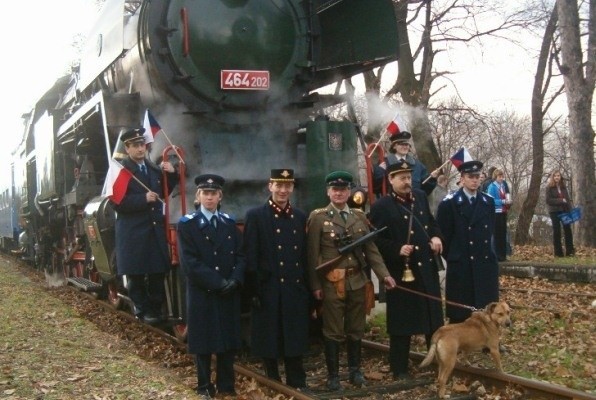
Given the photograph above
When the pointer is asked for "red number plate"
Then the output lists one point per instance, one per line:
(244, 80)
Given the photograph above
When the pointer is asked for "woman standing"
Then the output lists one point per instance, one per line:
(558, 201)
(498, 190)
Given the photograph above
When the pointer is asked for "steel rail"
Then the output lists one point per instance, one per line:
(531, 384)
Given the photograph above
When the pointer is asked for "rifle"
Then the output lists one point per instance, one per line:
(328, 265)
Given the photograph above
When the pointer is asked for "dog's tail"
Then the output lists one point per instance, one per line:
(429, 356)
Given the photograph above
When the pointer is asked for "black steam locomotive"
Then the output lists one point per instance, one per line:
(233, 85)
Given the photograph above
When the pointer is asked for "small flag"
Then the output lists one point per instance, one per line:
(461, 156)
(396, 125)
(151, 126)
(116, 182)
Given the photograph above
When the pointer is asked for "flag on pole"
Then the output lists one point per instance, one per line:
(461, 156)
(396, 125)
(151, 126)
(116, 181)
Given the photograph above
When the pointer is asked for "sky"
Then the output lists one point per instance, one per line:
(39, 40)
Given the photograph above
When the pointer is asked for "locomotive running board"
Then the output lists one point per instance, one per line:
(84, 284)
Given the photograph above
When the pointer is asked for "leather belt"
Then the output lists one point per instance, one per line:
(352, 271)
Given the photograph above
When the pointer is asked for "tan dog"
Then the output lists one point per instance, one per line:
(481, 330)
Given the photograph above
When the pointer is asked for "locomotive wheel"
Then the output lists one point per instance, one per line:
(181, 332)
(113, 299)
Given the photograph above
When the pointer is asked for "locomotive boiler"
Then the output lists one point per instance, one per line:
(233, 84)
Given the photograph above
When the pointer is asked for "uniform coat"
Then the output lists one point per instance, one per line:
(141, 245)
(472, 269)
(275, 244)
(409, 313)
(208, 257)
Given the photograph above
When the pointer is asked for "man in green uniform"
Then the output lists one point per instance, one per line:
(342, 288)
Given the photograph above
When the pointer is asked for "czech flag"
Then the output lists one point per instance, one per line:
(396, 125)
(151, 126)
(116, 182)
(461, 156)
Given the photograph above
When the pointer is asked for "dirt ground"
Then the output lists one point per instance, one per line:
(53, 345)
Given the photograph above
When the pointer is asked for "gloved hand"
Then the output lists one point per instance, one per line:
(256, 302)
(229, 287)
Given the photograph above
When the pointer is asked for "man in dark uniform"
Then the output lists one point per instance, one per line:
(467, 221)
(411, 240)
(210, 247)
(275, 243)
(399, 150)
(342, 289)
(141, 247)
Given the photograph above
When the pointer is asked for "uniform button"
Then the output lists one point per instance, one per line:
(154, 223)
(419, 264)
(471, 257)
(229, 237)
(215, 253)
(281, 263)
(282, 280)
(292, 216)
(279, 247)
(296, 264)
(421, 213)
(416, 247)
(295, 231)
(217, 268)
(471, 242)
(349, 258)
(486, 226)
(277, 230)
(411, 232)
(486, 241)
(297, 280)
(276, 216)
(405, 217)
(425, 226)
(485, 257)
(469, 228)
(231, 252)
(207, 237)
(295, 247)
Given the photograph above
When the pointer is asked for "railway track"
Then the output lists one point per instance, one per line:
(475, 381)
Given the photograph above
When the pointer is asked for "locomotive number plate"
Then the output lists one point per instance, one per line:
(244, 80)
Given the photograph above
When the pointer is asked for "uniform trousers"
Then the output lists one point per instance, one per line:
(147, 292)
(343, 318)
(224, 370)
(501, 236)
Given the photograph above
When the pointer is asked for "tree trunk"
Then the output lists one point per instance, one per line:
(527, 210)
(580, 90)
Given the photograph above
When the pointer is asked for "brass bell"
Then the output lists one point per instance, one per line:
(407, 276)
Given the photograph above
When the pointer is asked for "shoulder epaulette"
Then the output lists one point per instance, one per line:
(227, 217)
(448, 197)
(187, 217)
(319, 211)
(357, 211)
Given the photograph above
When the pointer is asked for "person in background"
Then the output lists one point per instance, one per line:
(502, 199)
(342, 289)
(467, 221)
(489, 179)
(277, 281)
(482, 178)
(438, 194)
(558, 201)
(210, 247)
(399, 149)
(412, 241)
(142, 252)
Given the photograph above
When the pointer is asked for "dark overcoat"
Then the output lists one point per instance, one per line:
(275, 244)
(141, 244)
(208, 257)
(409, 313)
(472, 269)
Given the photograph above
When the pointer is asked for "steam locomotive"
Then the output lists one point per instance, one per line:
(233, 84)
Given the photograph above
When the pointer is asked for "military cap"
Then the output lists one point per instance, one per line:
(471, 167)
(339, 179)
(400, 166)
(399, 137)
(282, 175)
(133, 135)
(209, 181)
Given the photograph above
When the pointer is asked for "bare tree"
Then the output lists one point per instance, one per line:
(579, 76)
(542, 79)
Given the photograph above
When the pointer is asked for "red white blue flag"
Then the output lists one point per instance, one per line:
(116, 182)
(151, 126)
(396, 125)
(461, 156)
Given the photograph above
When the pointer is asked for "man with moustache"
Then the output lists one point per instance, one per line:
(467, 221)
(411, 241)
(342, 289)
(277, 280)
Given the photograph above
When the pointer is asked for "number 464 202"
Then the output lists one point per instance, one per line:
(244, 80)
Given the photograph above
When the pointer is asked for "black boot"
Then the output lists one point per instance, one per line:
(332, 360)
(354, 350)
(271, 368)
